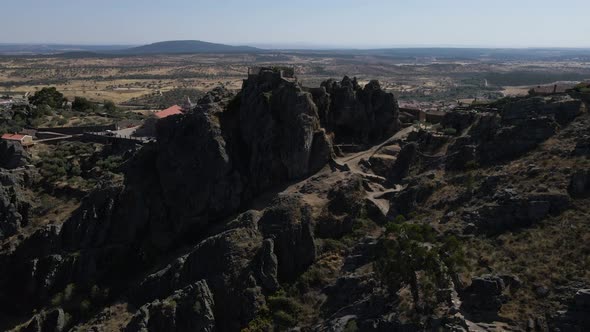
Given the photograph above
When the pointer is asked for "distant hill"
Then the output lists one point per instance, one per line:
(187, 46)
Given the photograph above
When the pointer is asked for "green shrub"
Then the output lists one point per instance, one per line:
(261, 323)
(284, 310)
(69, 292)
(57, 299)
(450, 131)
(81, 104)
(351, 326)
(48, 96)
(412, 250)
(399, 219)
(110, 164)
(85, 307)
(284, 319)
(333, 245)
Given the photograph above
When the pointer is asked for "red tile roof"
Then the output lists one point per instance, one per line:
(169, 111)
(13, 137)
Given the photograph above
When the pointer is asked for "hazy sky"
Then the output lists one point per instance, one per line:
(333, 23)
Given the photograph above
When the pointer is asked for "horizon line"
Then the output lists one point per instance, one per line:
(302, 45)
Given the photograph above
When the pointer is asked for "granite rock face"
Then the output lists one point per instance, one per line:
(579, 186)
(15, 209)
(357, 114)
(52, 321)
(515, 128)
(188, 309)
(239, 264)
(278, 132)
(577, 315)
(484, 294)
(13, 155)
(508, 209)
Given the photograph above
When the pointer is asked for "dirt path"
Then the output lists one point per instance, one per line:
(315, 189)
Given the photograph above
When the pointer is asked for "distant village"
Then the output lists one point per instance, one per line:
(136, 131)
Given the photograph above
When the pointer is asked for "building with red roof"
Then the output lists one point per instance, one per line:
(23, 139)
(173, 110)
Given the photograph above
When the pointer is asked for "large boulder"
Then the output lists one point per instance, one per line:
(288, 223)
(47, 321)
(279, 136)
(347, 202)
(188, 309)
(15, 209)
(197, 175)
(507, 129)
(484, 295)
(13, 155)
(508, 210)
(562, 109)
(580, 184)
(577, 315)
(359, 114)
(582, 147)
(405, 160)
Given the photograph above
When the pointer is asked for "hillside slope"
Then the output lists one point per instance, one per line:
(247, 215)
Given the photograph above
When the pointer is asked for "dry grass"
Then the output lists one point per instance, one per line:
(553, 254)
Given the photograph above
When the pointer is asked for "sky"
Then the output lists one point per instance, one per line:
(301, 23)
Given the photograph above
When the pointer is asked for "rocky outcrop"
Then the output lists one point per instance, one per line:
(358, 114)
(562, 109)
(347, 202)
(580, 184)
(14, 208)
(516, 127)
(407, 201)
(52, 321)
(406, 159)
(288, 223)
(195, 172)
(13, 155)
(484, 295)
(510, 210)
(242, 262)
(188, 309)
(278, 132)
(577, 315)
(582, 147)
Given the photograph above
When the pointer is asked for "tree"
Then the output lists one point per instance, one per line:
(81, 104)
(409, 250)
(110, 107)
(48, 96)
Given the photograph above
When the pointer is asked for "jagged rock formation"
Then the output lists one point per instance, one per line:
(12, 155)
(576, 317)
(516, 128)
(188, 309)
(357, 114)
(14, 208)
(52, 321)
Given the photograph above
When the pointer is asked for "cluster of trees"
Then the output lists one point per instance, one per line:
(77, 161)
(415, 255)
(50, 97)
(81, 104)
